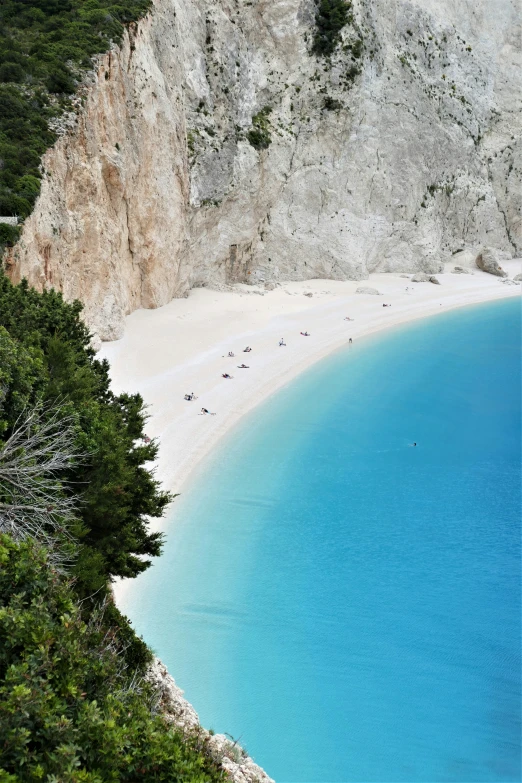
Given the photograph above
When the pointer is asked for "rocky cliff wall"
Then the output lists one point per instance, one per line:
(391, 156)
(234, 760)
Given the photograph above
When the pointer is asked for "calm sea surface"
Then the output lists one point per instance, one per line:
(348, 604)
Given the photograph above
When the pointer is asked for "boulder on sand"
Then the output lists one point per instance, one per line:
(423, 277)
(459, 270)
(365, 289)
(488, 261)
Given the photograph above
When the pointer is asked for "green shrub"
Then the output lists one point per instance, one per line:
(69, 711)
(357, 48)
(11, 72)
(8, 234)
(352, 72)
(330, 18)
(331, 104)
(60, 81)
(259, 135)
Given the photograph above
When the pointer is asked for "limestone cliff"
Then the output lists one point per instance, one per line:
(395, 154)
(234, 760)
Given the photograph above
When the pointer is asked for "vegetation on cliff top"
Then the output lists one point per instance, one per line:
(46, 359)
(76, 491)
(44, 46)
(69, 710)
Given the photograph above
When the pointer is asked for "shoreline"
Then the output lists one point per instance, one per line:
(187, 470)
(182, 348)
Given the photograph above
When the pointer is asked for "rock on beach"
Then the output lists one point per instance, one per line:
(423, 277)
(366, 289)
(488, 261)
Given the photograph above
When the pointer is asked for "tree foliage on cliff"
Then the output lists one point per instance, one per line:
(330, 18)
(45, 358)
(44, 45)
(259, 135)
(69, 710)
(76, 490)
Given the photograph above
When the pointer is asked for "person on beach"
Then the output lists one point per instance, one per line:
(247, 349)
(231, 354)
(204, 412)
(281, 341)
(386, 305)
(243, 367)
(190, 396)
(350, 341)
(226, 375)
(348, 318)
(305, 334)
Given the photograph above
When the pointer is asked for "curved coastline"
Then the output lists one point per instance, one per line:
(244, 515)
(182, 347)
(211, 332)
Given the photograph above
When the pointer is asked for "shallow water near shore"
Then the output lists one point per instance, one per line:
(345, 603)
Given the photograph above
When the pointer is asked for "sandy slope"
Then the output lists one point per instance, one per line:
(182, 346)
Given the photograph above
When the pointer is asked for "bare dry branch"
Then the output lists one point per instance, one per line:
(32, 500)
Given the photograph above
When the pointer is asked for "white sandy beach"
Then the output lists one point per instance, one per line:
(182, 347)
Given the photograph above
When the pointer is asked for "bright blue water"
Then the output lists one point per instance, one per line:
(348, 604)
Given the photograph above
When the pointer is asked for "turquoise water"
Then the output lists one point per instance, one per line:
(347, 604)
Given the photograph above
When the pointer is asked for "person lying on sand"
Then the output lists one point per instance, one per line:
(305, 334)
(204, 412)
(281, 341)
(386, 305)
(226, 375)
(348, 318)
(243, 367)
(190, 396)
(231, 354)
(247, 349)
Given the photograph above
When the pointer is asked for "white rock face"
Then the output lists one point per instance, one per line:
(177, 710)
(157, 188)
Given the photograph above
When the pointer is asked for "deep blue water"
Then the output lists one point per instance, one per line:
(346, 603)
